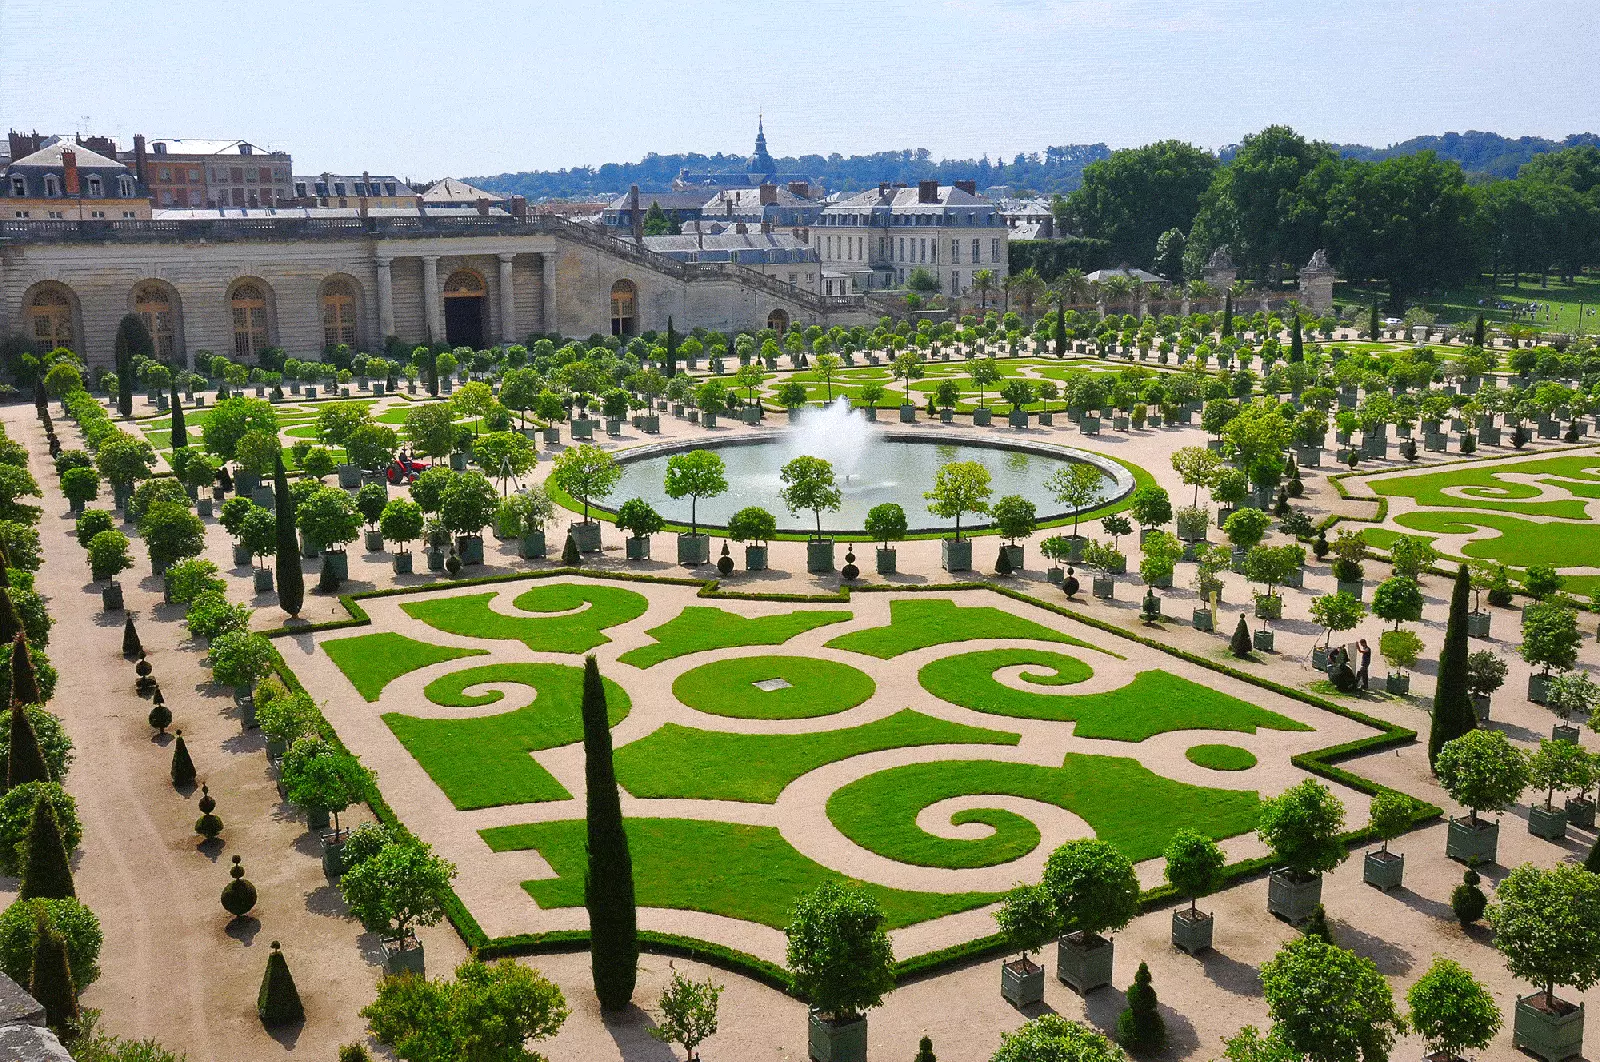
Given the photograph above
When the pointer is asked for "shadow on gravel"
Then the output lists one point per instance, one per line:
(244, 929)
(1231, 975)
(630, 1031)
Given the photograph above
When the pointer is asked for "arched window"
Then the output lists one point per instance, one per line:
(51, 314)
(778, 321)
(624, 309)
(154, 307)
(464, 283)
(249, 306)
(338, 313)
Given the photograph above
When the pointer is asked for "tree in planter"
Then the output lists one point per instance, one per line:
(1151, 507)
(1245, 528)
(1198, 467)
(287, 717)
(1161, 552)
(256, 451)
(907, 366)
(1116, 525)
(370, 501)
(1350, 549)
(400, 522)
(985, 374)
(338, 421)
(490, 1011)
(506, 456)
(946, 393)
(108, 555)
(1093, 887)
(1210, 563)
(402, 886)
(711, 397)
(1452, 1011)
(1390, 815)
(1556, 765)
(808, 484)
(1542, 582)
(1028, 921)
(124, 458)
(427, 490)
(1077, 486)
(636, 517)
(695, 475)
(1550, 637)
(791, 395)
(1194, 867)
(1015, 517)
(1052, 1038)
(753, 524)
(1337, 612)
(1328, 1004)
(431, 429)
(1302, 827)
(241, 659)
(587, 473)
(1397, 600)
(886, 523)
(1271, 566)
(468, 504)
(171, 532)
(1547, 925)
(1482, 771)
(151, 491)
(1572, 693)
(329, 519)
(330, 781)
(1411, 556)
(80, 485)
(90, 523)
(959, 487)
(1486, 672)
(1400, 649)
(839, 955)
(688, 1010)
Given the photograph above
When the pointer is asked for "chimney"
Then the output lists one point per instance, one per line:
(69, 171)
(766, 227)
(699, 236)
(483, 207)
(927, 191)
(800, 188)
(883, 187)
(727, 203)
(741, 228)
(519, 207)
(769, 195)
(638, 219)
(969, 187)
(140, 159)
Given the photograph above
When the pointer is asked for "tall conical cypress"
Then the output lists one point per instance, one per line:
(278, 1003)
(24, 681)
(1297, 343)
(182, 764)
(1061, 327)
(1372, 321)
(10, 621)
(46, 872)
(1227, 314)
(180, 430)
(608, 888)
(1452, 701)
(51, 983)
(1478, 332)
(131, 646)
(24, 760)
(291, 580)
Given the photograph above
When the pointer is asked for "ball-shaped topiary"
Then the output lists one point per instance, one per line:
(208, 825)
(238, 896)
(1468, 900)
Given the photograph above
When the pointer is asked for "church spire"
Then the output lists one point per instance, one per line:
(761, 162)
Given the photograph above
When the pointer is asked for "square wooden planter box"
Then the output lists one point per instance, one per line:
(1546, 1033)
(1480, 706)
(830, 1041)
(888, 561)
(586, 535)
(401, 961)
(1383, 870)
(692, 549)
(1103, 587)
(1353, 588)
(532, 546)
(1397, 683)
(755, 558)
(1478, 624)
(1015, 554)
(638, 547)
(1203, 620)
(1022, 982)
(1262, 640)
(1084, 967)
(908, 414)
(956, 556)
(1290, 899)
(1563, 732)
(1470, 845)
(1192, 935)
(1269, 607)
(1549, 823)
(1580, 813)
(981, 418)
(819, 555)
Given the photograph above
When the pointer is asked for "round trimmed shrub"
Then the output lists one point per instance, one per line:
(78, 926)
(53, 743)
(16, 812)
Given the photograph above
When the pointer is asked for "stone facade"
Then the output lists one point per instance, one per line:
(236, 287)
(1316, 284)
(879, 238)
(1219, 270)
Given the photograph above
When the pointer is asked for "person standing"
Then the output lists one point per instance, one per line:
(1363, 674)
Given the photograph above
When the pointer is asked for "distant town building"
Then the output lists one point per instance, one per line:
(681, 207)
(210, 173)
(877, 238)
(64, 180)
(1138, 276)
(1028, 219)
(761, 168)
(332, 190)
(450, 192)
(780, 255)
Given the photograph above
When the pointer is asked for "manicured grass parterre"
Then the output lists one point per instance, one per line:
(588, 610)
(372, 661)
(483, 762)
(1123, 801)
(1482, 486)
(679, 761)
(700, 628)
(1521, 543)
(816, 687)
(1221, 757)
(721, 868)
(1155, 702)
(918, 624)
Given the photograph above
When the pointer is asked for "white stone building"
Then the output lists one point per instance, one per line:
(877, 238)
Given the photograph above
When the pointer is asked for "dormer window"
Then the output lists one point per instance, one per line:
(19, 185)
(93, 186)
(52, 185)
(125, 187)
(244, 149)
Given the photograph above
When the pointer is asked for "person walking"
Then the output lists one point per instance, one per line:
(1363, 674)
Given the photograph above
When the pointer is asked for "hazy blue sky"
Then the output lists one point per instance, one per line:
(427, 89)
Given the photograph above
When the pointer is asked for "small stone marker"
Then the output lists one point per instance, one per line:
(768, 685)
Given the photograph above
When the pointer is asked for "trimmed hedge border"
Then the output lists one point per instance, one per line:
(1319, 762)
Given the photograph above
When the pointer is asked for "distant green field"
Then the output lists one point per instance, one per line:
(1462, 305)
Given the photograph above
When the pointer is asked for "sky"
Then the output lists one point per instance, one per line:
(425, 90)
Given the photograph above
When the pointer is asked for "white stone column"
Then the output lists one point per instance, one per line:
(549, 323)
(385, 299)
(508, 300)
(432, 300)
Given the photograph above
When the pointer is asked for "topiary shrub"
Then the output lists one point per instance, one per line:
(52, 739)
(238, 895)
(51, 982)
(16, 818)
(131, 646)
(1467, 900)
(1317, 925)
(182, 764)
(1140, 1028)
(208, 825)
(278, 1002)
(46, 872)
(1239, 644)
(570, 557)
(75, 922)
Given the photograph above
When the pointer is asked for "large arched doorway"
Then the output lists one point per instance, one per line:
(50, 319)
(154, 305)
(465, 303)
(624, 309)
(778, 321)
(251, 320)
(338, 313)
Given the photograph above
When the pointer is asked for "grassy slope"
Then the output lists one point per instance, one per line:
(817, 687)
(1124, 802)
(679, 761)
(915, 624)
(699, 628)
(372, 661)
(470, 616)
(747, 872)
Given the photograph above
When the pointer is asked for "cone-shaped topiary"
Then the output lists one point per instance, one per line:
(725, 561)
(1467, 900)
(1152, 607)
(1317, 926)
(1453, 713)
(925, 1051)
(180, 430)
(10, 622)
(1002, 563)
(182, 765)
(25, 760)
(51, 983)
(46, 872)
(1239, 644)
(238, 896)
(279, 1001)
(608, 893)
(24, 679)
(291, 578)
(570, 557)
(207, 825)
(1140, 1028)
(131, 646)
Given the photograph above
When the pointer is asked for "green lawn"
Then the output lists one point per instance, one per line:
(680, 761)
(816, 687)
(917, 624)
(597, 607)
(1521, 543)
(483, 762)
(372, 661)
(747, 872)
(1155, 702)
(699, 628)
(1482, 488)
(1221, 757)
(1124, 802)
(1460, 305)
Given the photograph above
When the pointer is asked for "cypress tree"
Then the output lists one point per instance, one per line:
(1297, 343)
(182, 765)
(131, 646)
(1372, 321)
(672, 350)
(24, 681)
(46, 871)
(1227, 314)
(1061, 327)
(1239, 645)
(291, 580)
(278, 1003)
(925, 1051)
(1452, 701)
(51, 983)
(25, 762)
(608, 888)
(41, 401)
(1478, 332)
(180, 430)
(1140, 1028)
(570, 557)
(133, 342)
(10, 622)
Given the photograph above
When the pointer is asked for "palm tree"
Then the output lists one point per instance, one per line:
(1073, 286)
(1029, 288)
(1116, 289)
(983, 280)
